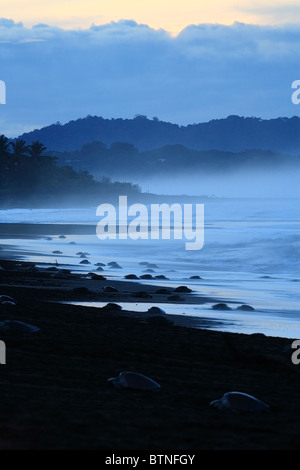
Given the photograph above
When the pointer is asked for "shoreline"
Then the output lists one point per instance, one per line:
(55, 393)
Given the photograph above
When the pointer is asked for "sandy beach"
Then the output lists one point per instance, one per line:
(55, 393)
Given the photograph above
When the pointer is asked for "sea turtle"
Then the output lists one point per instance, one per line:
(16, 326)
(134, 380)
(239, 401)
(184, 289)
(156, 311)
(6, 298)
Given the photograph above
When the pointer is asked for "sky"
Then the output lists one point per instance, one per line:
(171, 15)
(182, 61)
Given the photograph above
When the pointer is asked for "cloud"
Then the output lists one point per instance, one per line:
(273, 14)
(123, 68)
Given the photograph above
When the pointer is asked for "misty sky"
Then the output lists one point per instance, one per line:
(173, 69)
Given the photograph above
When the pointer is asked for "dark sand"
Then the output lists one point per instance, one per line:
(54, 386)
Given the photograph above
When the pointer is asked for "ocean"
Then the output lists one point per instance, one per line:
(250, 256)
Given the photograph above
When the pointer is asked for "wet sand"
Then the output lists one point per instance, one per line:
(55, 393)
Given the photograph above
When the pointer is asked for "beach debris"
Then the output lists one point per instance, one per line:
(149, 270)
(82, 253)
(99, 269)
(195, 277)
(246, 308)
(176, 298)
(159, 320)
(221, 307)
(144, 263)
(142, 295)
(16, 326)
(131, 276)
(57, 252)
(48, 239)
(163, 291)
(239, 401)
(161, 277)
(156, 311)
(133, 380)
(72, 243)
(83, 256)
(7, 298)
(110, 289)
(85, 261)
(62, 236)
(147, 277)
(183, 289)
(112, 307)
(266, 277)
(100, 264)
(152, 265)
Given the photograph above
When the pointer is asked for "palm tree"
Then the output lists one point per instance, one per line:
(36, 149)
(20, 148)
(4, 146)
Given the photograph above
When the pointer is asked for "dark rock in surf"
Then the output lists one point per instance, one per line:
(246, 308)
(183, 289)
(112, 307)
(156, 311)
(97, 277)
(221, 307)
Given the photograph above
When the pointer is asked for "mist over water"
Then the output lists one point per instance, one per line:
(270, 183)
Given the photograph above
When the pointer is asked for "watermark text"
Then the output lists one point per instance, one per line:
(296, 354)
(296, 94)
(155, 221)
(2, 92)
(2, 352)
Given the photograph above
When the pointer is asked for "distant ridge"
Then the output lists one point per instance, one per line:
(233, 133)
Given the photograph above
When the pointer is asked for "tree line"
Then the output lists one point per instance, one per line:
(30, 178)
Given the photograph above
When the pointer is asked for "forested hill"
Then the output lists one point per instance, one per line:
(233, 134)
